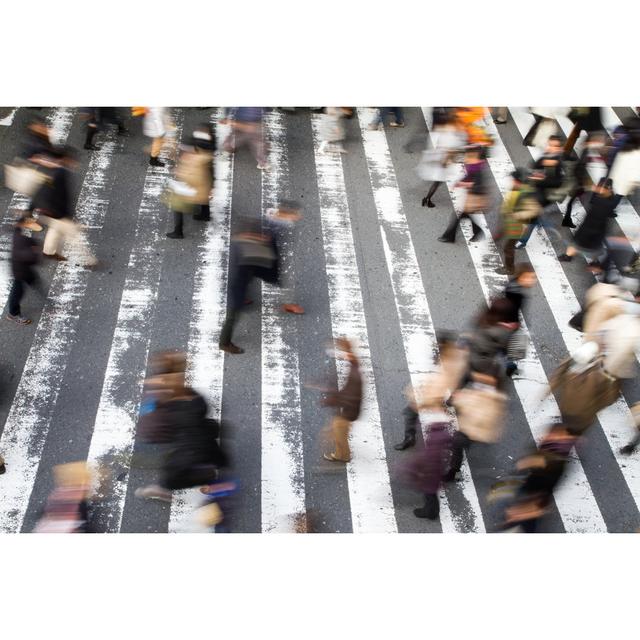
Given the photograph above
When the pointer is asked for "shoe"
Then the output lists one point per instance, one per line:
(55, 256)
(175, 235)
(91, 147)
(425, 513)
(431, 205)
(332, 458)
(374, 127)
(156, 162)
(503, 271)
(565, 258)
(409, 441)
(231, 348)
(569, 223)
(627, 450)
(293, 308)
(396, 124)
(18, 319)
(426, 202)
(511, 368)
(520, 245)
(499, 121)
(443, 239)
(153, 492)
(2, 469)
(199, 217)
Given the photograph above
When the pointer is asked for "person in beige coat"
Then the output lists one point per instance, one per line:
(191, 189)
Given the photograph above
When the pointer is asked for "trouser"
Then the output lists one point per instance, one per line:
(64, 229)
(178, 221)
(541, 221)
(578, 194)
(156, 146)
(619, 256)
(252, 137)
(459, 444)
(572, 139)
(454, 223)
(510, 253)
(15, 296)
(410, 421)
(500, 113)
(385, 111)
(431, 506)
(227, 328)
(340, 431)
(528, 139)
(204, 213)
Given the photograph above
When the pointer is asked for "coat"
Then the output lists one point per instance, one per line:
(621, 338)
(593, 229)
(480, 409)
(54, 197)
(155, 122)
(603, 302)
(625, 172)
(194, 169)
(436, 162)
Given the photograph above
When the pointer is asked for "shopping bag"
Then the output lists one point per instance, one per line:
(23, 177)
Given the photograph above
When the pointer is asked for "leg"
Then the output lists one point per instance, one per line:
(15, 296)
(426, 201)
(53, 238)
(399, 118)
(340, 430)
(527, 233)
(257, 142)
(410, 426)
(431, 509)
(449, 234)
(205, 212)
(156, 148)
(72, 232)
(566, 220)
(527, 141)
(92, 130)
(227, 333)
(176, 234)
(477, 229)
(510, 254)
(459, 443)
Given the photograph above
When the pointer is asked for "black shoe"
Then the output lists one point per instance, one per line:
(199, 217)
(443, 239)
(409, 441)
(511, 368)
(175, 235)
(450, 476)
(569, 223)
(231, 348)
(628, 449)
(426, 202)
(156, 162)
(425, 513)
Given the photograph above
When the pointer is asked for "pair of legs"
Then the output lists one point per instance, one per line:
(204, 213)
(95, 126)
(450, 232)
(543, 221)
(426, 201)
(251, 136)
(61, 230)
(16, 294)
(383, 112)
(156, 148)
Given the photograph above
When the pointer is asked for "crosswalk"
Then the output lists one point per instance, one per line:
(364, 262)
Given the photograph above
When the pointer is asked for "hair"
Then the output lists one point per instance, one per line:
(500, 310)
(554, 138)
(522, 268)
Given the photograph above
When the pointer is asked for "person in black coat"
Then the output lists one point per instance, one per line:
(25, 253)
(584, 119)
(98, 118)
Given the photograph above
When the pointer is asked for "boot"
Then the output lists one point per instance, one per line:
(431, 509)
(176, 234)
(409, 441)
(154, 161)
(204, 214)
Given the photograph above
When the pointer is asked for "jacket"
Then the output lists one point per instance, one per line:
(54, 197)
(348, 400)
(518, 202)
(603, 302)
(515, 294)
(487, 345)
(194, 169)
(23, 256)
(553, 177)
(594, 227)
(480, 409)
(625, 172)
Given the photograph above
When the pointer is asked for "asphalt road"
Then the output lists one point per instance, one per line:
(70, 383)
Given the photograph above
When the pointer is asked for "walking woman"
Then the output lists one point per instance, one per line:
(475, 184)
(447, 138)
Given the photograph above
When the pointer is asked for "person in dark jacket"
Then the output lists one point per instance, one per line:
(591, 154)
(584, 119)
(98, 119)
(252, 254)
(25, 253)
(589, 238)
(546, 174)
(346, 403)
(476, 199)
(37, 140)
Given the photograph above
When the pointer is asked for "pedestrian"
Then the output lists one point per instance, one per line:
(435, 388)
(332, 130)
(520, 206)
(544, 126)
(584, 119)
(54, 205)
(346, 402)
(246, 128)
(156, 125)
(589, 238)
(474, 182)
(625, 169)
(591, 162)
(251, 254)
(447, 140)
(546, 177)
(98, 118)
(279, 224)
(25, 253)
(37, 140)
(500, 115)
(192, 187)
(383, 112)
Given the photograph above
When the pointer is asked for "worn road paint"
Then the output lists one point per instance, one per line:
(416, 325)
(370, 496)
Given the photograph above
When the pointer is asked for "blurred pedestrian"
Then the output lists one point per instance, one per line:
(345, 401)
(625, 169)
(37, 140)
(447, 140)
(54, 205)
(246, 128)
(584, 119)
(98, 119)
(546, 177)
(25, 253)
(332, 130)
(520, 206)
(192, 187)
(544, 126)
(474, 182)
(156, 125)
(383, 113)
(500, 114)
(435, 388)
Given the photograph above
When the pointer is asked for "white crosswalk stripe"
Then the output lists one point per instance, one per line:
(281, 494)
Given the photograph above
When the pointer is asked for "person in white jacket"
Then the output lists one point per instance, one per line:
(625, 172)
(155, 125)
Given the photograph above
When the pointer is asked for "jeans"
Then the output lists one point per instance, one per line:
(541, 221)
(385, 111)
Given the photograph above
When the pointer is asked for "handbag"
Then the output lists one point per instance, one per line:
(256, 254)
(517, 345)
(23, 177)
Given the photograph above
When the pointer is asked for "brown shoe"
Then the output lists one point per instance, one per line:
(231, 348)
(55, 256)
(293, 308)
